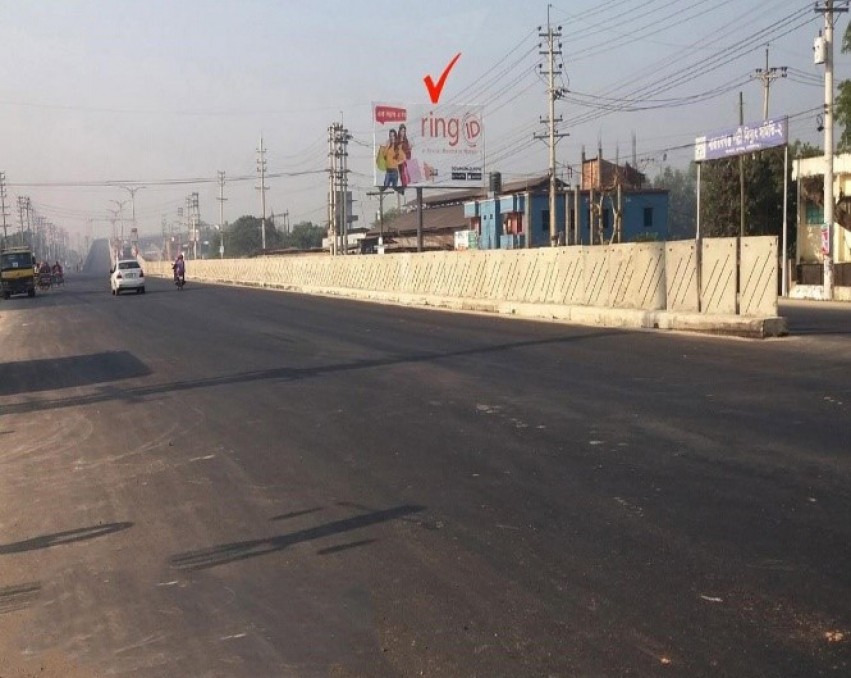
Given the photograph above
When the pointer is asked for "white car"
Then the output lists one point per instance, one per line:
(127, 275)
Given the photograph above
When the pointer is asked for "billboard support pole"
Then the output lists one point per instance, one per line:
(784, 288)
(698, 246)
(419, 219)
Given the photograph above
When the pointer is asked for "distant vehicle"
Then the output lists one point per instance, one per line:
(17, 272)
(44, 281)
(127, 275)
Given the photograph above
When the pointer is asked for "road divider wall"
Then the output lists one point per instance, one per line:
(602, 282)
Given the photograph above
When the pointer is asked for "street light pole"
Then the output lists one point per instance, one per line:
(132, 190)
(120, 215)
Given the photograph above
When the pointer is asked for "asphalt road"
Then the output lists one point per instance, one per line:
(238, 482)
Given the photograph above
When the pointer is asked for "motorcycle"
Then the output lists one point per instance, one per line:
(44, 281)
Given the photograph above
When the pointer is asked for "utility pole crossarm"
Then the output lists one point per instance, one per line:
(767, 75)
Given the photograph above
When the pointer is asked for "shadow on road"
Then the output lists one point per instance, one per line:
(14, 598)
(296, 514)
(60, 538)
(47, 374)
(242, 550)
(281, 373)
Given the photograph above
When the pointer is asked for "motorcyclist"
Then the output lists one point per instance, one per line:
(179, 267)
(57, 268)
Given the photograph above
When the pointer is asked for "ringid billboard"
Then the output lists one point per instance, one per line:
(418, 145)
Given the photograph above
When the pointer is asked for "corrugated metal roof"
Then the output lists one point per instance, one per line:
(435, 218)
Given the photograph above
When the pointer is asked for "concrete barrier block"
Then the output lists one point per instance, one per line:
(718, 275)
(759, 276)
(681, 276)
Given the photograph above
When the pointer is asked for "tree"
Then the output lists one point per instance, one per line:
(720, 193)
(681, 187)
(843, 101)
(243, 237)
(721, 198)
(305, 236)
(389, 216)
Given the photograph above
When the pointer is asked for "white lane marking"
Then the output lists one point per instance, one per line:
(208, 457)
(234, 637)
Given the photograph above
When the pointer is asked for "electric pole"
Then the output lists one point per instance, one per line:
(767, 75)
(261, 172)
(741, 172)
(113, 238)
(121, 204)
(343, 142)
(166, 248)
(338, 217)
(195, 222)
(221, 200)
(828, 10)
(3, 205)
(21, 216)
(552, 35)
(332, 184)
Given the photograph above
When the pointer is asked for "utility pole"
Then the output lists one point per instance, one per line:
(188, 213)
(121, 204)
(767, 75)
(338, 217)
(113, 236)
(21, 202)
(3, 204)
(828, 10)
(332, 185)
(221, 200)
(344, 187)
(552, 35)
(179, 225)
(195, 222)
(166, 247)
(741, 172)
(261, 172)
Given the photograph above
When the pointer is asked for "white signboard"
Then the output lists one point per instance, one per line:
(420, 145)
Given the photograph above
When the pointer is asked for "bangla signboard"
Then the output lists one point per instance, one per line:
(748, 138)
(419, 145)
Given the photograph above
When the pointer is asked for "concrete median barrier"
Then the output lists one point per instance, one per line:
(641, 285)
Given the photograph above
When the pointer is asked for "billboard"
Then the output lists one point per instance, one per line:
(419, 145)
(743, 139)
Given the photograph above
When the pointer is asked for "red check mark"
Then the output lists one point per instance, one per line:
(434, 90)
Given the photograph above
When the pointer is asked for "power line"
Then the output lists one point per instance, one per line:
(156, 182)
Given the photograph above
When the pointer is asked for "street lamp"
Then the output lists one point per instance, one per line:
(132, 190)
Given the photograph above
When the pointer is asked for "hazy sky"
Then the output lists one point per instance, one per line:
(163, 93)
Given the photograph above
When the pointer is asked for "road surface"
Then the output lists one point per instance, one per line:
(238, 482)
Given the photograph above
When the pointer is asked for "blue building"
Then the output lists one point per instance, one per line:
(622, 211)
